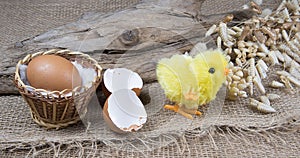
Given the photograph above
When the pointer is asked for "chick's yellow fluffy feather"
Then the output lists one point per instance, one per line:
(190, 82)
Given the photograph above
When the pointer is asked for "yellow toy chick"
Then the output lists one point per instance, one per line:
(190, 82)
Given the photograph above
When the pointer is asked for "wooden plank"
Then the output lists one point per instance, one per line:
(135, 38)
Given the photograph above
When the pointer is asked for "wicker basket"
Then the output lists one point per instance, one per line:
(55, 109)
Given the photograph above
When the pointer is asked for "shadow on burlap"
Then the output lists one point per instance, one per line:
(237, 131)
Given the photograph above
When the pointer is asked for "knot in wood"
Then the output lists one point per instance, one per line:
(130, 37)
(18, 45)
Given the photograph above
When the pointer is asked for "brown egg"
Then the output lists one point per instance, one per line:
(53, 73)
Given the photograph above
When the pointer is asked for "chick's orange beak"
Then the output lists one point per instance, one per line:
(226, 71)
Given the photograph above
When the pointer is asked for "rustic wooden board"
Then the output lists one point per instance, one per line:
(135, 38)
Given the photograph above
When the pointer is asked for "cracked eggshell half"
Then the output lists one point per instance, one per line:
(124, 112)
(121, 78)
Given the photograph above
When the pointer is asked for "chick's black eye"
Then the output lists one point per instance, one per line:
(211, 70)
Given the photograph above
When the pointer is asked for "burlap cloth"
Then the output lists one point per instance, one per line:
(238, 131)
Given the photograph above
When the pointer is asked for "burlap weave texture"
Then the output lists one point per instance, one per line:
(238, 131)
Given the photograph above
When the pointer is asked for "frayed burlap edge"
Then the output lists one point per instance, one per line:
(181, 143)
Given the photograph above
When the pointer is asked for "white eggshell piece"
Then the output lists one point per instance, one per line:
(126, 110)
(121, 78)
(88, 75)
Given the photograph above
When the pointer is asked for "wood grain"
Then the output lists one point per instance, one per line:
(135, 38)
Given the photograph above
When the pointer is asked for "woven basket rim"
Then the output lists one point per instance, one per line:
(27, 89)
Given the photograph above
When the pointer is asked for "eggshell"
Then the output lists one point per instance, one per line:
(125, 111)
(53, 73)
(108, 121)
(104, 89)
(121, 78)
